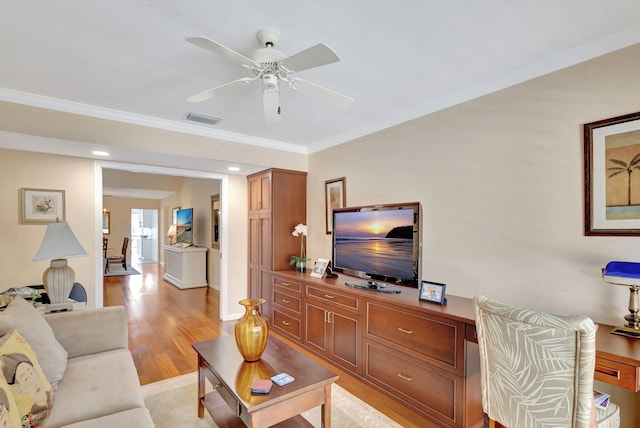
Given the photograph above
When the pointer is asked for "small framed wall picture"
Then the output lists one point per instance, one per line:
(335, 196)
(42, 205)
(433, 292)
(320, 268)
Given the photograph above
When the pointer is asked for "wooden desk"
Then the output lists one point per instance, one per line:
(617, 359)
(220, 362)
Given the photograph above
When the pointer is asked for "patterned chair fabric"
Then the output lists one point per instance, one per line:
(537, 368)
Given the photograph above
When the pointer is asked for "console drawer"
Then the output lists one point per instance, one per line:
(286, 301)
(329, 296)
(435, 392)
(287, 284)
(287, 324)
(440, 341)
(618, 374)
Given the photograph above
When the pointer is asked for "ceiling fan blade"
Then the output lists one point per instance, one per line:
(271, 102)
(314, 56)
(209, 93)
(325, 95)
(219, 49)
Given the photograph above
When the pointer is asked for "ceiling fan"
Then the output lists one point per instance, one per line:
(272, 66)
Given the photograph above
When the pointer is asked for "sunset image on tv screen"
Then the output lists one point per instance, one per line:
(377, 242)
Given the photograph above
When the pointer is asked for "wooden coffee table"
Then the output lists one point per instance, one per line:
(232, 404)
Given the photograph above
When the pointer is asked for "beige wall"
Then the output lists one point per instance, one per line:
(500, 179)
(32, 170)
(196, 193)
(120, 211)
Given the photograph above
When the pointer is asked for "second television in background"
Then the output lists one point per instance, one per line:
(184, 226)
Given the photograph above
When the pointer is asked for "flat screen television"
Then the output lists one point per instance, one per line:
(379, 242)
(184, 226)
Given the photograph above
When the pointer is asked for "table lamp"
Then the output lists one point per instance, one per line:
(626, 274)
(171, 233)
(58, 245)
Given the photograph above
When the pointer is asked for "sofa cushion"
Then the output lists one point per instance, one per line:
(9, 416)
(94, 386)
(28, 384)
(21, 315)
(138, 418)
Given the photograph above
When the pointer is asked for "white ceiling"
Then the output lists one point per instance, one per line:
(128, 59)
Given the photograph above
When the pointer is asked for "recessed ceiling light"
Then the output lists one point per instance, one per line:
(100, 153)
(233, 168)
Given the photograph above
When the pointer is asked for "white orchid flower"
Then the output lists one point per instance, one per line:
(300, 229)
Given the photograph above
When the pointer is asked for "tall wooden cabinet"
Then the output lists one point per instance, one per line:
(277, 202)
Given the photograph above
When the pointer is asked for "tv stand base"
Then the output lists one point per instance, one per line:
(374, 286)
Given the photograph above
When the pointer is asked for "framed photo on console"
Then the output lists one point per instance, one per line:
(433, 292)
(320, 268)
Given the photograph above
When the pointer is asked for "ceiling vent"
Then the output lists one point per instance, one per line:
(201, 118)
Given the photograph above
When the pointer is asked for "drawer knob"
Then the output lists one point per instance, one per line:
(286, 301)
(404, 330)
(329, 296)
(287, 323)
(405, 377)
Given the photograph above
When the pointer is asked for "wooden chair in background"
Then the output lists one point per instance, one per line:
(122, 258)
(105, 260)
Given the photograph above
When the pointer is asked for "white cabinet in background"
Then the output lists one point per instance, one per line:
(186, 267)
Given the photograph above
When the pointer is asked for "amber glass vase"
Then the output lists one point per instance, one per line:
(252, 330)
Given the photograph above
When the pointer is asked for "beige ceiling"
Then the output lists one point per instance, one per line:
(127, 63)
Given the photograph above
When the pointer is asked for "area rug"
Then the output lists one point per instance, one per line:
(117, 270)
(173, 404)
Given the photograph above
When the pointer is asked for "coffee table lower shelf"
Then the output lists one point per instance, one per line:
(225, 417)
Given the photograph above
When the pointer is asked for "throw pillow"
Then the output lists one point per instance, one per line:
(22, 316)
(28, 384)
(9, 416)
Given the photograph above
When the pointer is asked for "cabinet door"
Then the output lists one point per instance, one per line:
(265, 192)
(345, 346)
(254, 256)
(315, 328)
(334, 334)
(260, 193)
(265, 241)
(265, 293)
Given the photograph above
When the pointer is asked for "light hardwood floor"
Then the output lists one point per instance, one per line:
(164, 321)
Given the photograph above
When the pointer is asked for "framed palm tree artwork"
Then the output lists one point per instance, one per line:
(612, 176)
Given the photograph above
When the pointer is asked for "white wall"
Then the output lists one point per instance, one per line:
(500, 179)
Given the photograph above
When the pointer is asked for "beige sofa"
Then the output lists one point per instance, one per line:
(100, 386)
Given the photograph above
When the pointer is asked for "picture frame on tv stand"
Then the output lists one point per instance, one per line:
(320, 268)
(433, 292)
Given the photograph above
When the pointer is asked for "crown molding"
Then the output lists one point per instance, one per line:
(34, 100)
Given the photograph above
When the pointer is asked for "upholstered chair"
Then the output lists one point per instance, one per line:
(537, 368)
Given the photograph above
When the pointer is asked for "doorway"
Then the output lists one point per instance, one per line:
(144, 236)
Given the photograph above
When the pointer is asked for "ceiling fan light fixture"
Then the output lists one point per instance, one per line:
(201, 118)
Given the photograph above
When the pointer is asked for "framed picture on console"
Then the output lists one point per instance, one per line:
(335, 196)
(433, 292)
(41, 205)
(320, 268)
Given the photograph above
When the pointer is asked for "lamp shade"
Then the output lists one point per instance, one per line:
(59, 243)
(172, 231)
